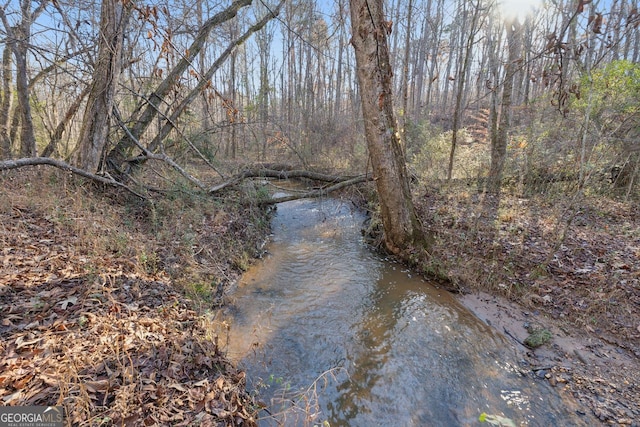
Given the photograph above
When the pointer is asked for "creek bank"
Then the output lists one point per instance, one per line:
(107, 304)
(513, 270)
(600, 375)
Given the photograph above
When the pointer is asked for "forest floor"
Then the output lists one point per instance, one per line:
(538, 263)
(109, 304)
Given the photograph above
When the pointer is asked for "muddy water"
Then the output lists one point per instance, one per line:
(329, 331)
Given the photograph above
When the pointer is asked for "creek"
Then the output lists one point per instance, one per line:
(330, 331)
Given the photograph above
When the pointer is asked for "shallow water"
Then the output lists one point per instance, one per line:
(330, 331)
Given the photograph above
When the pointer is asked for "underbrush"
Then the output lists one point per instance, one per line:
(201, 243)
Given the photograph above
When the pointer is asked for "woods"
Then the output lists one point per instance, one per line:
(493, 145)
(234, 81)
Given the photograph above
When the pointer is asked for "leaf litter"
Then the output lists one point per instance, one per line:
(111, 343)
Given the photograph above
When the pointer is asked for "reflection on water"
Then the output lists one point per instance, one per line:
(329, 330)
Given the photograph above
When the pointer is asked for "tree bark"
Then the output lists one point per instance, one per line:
(19, 37)
(5, 104)
(402, 230)
(114, 16)
(500, 139)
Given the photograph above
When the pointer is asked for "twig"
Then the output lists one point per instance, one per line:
(509, 334)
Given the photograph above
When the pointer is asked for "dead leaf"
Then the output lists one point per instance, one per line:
(73, 300)
(581, 5)
(178, 387)
(97, 386)
(21, 342)
(202, 383)
(22, 382)
(220, 383)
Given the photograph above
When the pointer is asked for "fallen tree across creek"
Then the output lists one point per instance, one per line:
(277, 171)
(339, 182)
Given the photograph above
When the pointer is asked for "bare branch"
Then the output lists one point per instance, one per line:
(149, 155)
(35, 161)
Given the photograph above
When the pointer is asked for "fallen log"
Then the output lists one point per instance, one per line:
(319, 192)
(281, 174)
(35, 161)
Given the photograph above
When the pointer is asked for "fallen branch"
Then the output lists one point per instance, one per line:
(281, 174)
(35, 161)
(320, 192)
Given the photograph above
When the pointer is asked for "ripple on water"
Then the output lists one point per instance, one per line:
(398, 351)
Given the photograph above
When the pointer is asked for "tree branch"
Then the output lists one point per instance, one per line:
(149, 155)
(320, 192)
(34, 161)
(285, 173)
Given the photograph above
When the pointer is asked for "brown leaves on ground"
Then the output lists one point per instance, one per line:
(90, 329)
(118, 349)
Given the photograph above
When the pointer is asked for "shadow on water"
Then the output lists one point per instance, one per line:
(328, 330)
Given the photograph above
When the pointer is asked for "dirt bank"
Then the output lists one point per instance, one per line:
(601, 376)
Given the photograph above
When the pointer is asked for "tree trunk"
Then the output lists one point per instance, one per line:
(19, 37)
(402, 230)
(405, 67)
(5, 104)
(499, 140)
(461, 79)
(95, 122)
(27, 134)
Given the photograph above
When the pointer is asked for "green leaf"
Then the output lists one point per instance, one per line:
(496, 420)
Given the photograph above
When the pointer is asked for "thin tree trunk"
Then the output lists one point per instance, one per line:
(405, 67)
(435, 47)
(5, 104)
(20, 37)
(337, 111)
(56, 137)
(461, 78)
